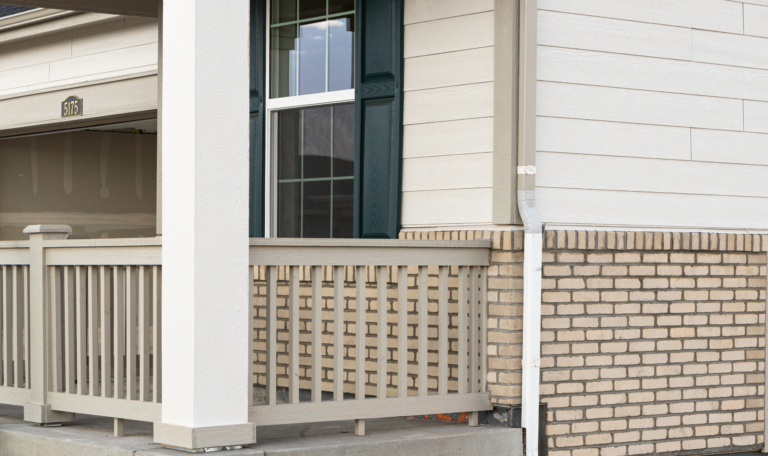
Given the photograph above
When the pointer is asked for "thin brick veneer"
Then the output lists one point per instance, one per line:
(652, 342)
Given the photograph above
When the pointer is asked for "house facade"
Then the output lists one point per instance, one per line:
(592, 170)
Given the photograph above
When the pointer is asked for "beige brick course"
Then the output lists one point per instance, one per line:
(651, 342)
(679, 360)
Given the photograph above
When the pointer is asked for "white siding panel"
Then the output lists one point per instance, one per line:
(447, 207)
(448, 172)
(648, 73)
(121, 59)
(449, 69)
(638, 106)
(609, 208)
(611, 35)
(719, 15)
(448, 138)
(22, 77)
(730, 147)
(85, 80)
(430, 10)
(729, 49)
(642, 175)
(612, 138)
(756, 20)
(34, 52)
(135, 33)
(756, 116)
(449, 103)
(756, 2)
(448, 35)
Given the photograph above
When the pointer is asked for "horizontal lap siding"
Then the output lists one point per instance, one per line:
(653, 113)
(756, 20)
(448, 113)
(113, 48)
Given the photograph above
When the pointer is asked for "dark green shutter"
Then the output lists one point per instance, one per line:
(258, 79)
(378, 117)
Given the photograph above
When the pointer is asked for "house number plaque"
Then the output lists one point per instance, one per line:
(72, 107)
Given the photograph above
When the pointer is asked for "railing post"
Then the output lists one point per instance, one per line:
(38, 410)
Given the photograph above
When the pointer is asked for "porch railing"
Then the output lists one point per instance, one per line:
(105, 298)
(14, 323)
(368, 329)
(343, 330)
(96, 308)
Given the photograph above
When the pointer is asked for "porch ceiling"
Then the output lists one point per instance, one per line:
(146, 8)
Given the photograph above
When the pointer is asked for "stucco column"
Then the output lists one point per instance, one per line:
(206, 331)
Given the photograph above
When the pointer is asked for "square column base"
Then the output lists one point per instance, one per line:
(42, 414)
(192, 439)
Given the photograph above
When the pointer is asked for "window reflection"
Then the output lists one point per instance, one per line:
(313, 53)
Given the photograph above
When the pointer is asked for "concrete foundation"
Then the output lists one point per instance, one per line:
(91, 436)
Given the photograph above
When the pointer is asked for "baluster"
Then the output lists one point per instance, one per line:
(145, 298)
(272, 335)
(402, 331)
(338, 333)
(119, 332)
(483, 329)
(293, 335)
(93, 330)
(7, 300)
(157, 322)
(473, 342)
(131, 325)
(27, 356)
(360, 332)
(423, 330)
(69, 328)
(463, 272)
(105, 288)
(442, 327)
(18, 326)
(317, 333)
(56, 339)
(381, 303)
(81, 301)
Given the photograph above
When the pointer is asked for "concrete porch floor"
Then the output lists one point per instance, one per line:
(91, 436)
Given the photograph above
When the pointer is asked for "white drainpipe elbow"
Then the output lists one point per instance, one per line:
(531, 362)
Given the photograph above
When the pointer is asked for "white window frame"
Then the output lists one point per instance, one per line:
(279, 104)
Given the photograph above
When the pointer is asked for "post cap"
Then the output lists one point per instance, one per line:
(38, 229)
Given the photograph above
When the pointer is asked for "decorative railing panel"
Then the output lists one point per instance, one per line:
(105, 327)
(416, 346)
(14, 323)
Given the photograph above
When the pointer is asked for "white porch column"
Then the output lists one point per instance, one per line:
(206, 332)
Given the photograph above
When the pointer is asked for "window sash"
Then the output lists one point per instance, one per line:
(283, 103)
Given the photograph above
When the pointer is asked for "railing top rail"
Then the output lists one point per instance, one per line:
(86, 243)
(386, 243)
(104, 252)
(368, 252)
(14, 244)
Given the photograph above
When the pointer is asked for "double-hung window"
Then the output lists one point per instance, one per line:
(311, 118)
(326, 118)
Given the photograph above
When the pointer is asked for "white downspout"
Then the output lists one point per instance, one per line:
(531, 361)
(526, 203)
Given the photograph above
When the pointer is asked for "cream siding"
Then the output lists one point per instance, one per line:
(110, 47)
(448, 113)
(653, 113)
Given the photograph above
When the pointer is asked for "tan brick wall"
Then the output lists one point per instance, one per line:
(653, 342)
